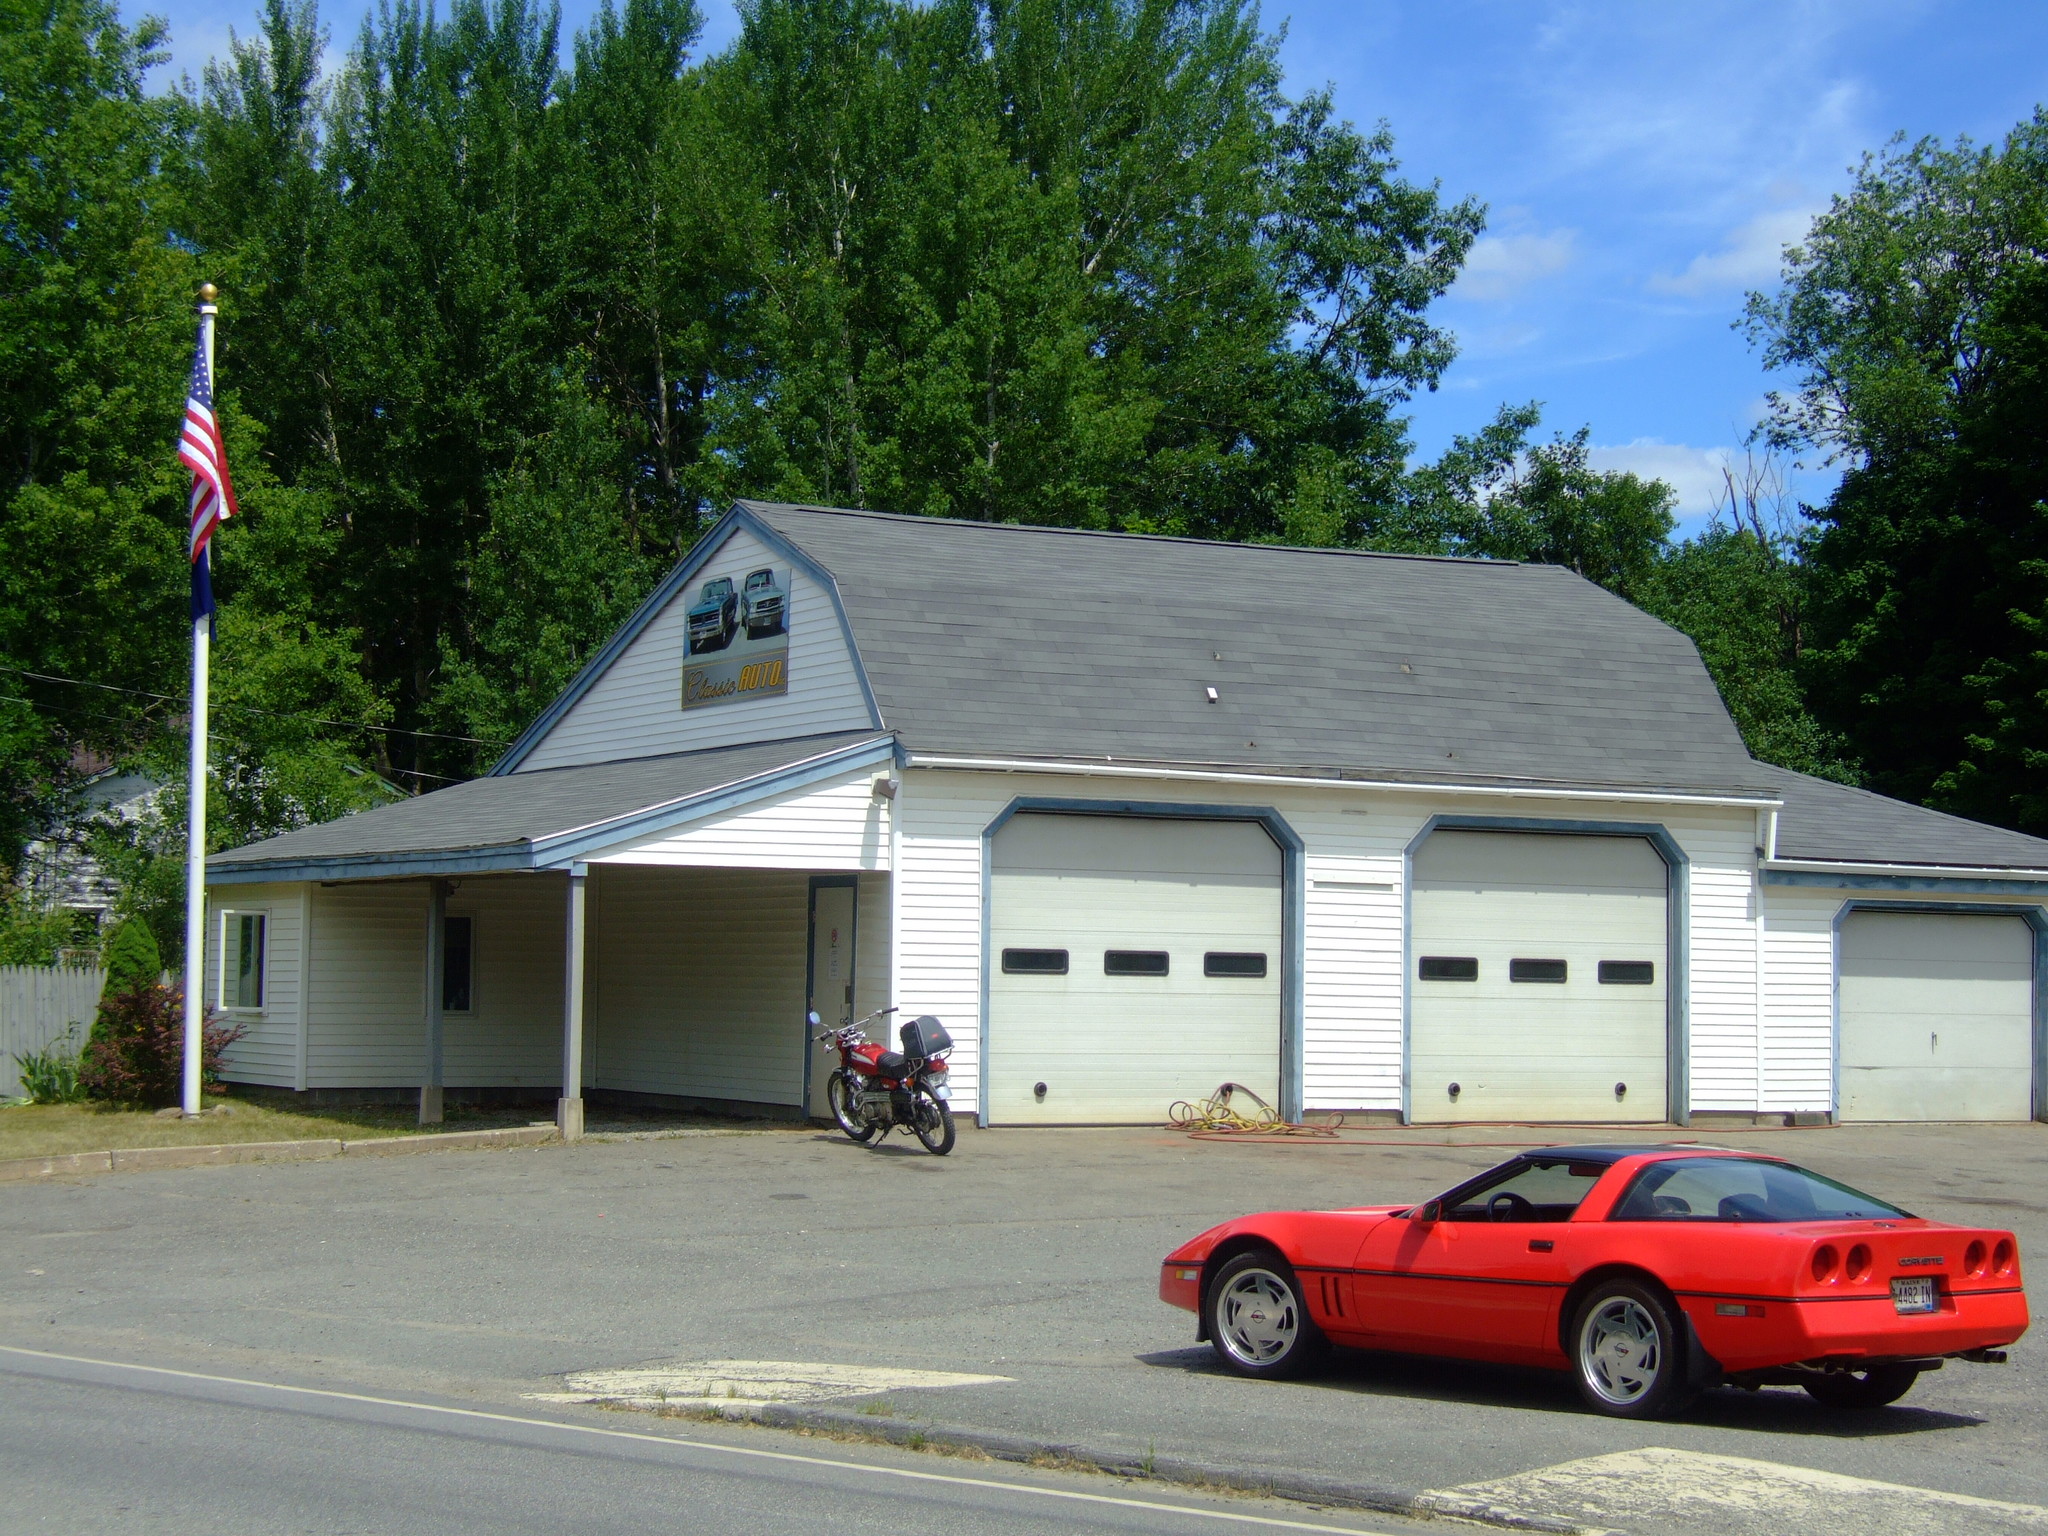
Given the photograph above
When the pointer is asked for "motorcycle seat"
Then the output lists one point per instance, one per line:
(892, 1064)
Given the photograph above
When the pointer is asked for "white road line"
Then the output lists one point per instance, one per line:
(907, 1474)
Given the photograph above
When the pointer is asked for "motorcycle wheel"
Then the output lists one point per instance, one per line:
(933, 1122)
(839, 1094)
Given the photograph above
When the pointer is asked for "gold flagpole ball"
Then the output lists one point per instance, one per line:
(208, 293)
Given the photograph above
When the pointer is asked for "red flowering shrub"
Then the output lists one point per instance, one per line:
(137, 1053)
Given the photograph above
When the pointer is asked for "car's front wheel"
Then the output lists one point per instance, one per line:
(1874, 1388)
(1628, 1351)
(1258, 1321)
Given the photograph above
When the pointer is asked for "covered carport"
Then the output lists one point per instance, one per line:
(639, 929)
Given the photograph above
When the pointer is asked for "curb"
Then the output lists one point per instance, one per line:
(135, 1159)
(1302, 1487)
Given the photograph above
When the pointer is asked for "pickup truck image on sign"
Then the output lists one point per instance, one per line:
(738, 638)
(762, 605)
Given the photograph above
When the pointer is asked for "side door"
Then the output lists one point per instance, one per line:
(831, 983)
(1478, 1273)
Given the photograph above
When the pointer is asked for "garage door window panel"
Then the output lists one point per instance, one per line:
(1447, 968)
(1553, 972)
(1245, 967)
(1136, 962)
(1034, 962)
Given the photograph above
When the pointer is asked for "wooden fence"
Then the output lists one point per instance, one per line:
(37, 1004)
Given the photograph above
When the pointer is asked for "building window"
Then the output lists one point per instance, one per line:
(1448, 968)
(1627, 973)
(458, 965)
(1134, 962)
(1034, 962)
(1536, 970)
(1215, 964)
(243, 939)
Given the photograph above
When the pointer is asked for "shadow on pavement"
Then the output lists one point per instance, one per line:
(1774, 1410)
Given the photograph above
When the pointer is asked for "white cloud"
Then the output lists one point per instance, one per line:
(1751, 257)
(1695, 473)
(1498, 266)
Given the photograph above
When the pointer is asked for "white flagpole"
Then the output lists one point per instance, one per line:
(195, 842)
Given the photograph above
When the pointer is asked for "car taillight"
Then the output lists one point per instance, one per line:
(1858, 1266)
(1824, 1261)
(1973, 1259)
(2004, 1256)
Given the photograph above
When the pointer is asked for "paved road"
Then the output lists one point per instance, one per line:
(1029, 1255)
(90, 1446)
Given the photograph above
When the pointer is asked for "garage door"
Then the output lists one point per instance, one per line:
(1133, 962)
(1937, 1017)
(1538, 979)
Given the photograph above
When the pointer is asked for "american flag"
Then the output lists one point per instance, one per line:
(213, 493)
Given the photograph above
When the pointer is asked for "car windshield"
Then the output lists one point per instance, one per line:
(715, 590)
(1741, 1189)
(760, 579)
(1528, 1189)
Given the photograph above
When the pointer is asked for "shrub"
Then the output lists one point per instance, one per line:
(137, 1053)
(132, 958)
(50, 1076)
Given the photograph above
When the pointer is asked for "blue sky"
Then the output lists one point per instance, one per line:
(1643, 163)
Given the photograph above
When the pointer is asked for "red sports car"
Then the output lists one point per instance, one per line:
(1651, 1272)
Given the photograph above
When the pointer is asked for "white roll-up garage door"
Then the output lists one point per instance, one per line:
(1537, 978)
(1133, 961)
(1937, 1017)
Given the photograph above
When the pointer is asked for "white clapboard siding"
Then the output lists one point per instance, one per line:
(269, 1049)
(512, 1038)
(1351, 996)
(700, 983)
(41, 1006)
(635, 708)
(1726, 1044)
(367, 1022)
(1799, 998)
(837, 825)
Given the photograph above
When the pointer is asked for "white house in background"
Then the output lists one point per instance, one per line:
(1432, 839)
(62, 873)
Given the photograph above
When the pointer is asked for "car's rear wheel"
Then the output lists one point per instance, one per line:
(1258, 1321)
(1628, 1351)
(1874, 1388)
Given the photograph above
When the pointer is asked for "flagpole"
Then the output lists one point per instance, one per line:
(195, 839)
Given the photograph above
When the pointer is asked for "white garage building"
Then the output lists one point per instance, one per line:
(1438, 839)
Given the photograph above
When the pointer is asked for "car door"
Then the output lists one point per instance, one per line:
(1478, 1273)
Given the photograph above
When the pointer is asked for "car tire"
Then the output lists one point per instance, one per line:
(1874, 1388)
(1258, 1321)
(1628, 1351)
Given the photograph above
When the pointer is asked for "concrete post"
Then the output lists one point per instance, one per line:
(437, 980)
(569, 1111)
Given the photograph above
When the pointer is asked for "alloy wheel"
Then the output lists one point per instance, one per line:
(1621, 1351)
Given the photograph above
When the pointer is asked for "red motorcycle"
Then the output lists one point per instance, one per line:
(874, 1089)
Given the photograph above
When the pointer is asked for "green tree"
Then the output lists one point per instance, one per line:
(1914, 313)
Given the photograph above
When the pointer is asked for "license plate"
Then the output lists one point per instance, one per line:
(1916, 1295)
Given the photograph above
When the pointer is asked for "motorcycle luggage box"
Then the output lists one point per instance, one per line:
(925, 1036)
(889, 1064)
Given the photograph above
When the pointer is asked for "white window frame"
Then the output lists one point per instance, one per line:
(230, 915)
(475, 924)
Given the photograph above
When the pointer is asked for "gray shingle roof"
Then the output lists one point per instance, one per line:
(994, 638)
(1824, 820)
(515, 812)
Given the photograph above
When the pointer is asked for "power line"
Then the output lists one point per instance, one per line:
(247, 709)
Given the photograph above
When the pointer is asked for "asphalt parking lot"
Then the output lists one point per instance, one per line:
(1027, 1255)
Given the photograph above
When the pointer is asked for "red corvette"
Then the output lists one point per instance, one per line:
(1650, 1272)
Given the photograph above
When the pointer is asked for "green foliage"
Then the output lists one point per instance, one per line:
(137, 1051)
(50, 1076)
(32, 932)
(1918, 316)
(131, 957)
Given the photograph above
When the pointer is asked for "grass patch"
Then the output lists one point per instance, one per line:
(43, 1130)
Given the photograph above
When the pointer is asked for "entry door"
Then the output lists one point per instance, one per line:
(1537, 979)
(1461, 1287)
(1937, 1017)
(1134, 961)
(832, 919)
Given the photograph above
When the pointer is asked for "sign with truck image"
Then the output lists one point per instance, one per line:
(738, 641)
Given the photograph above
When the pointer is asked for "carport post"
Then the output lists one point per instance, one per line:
(437, 971)
(569, 1110)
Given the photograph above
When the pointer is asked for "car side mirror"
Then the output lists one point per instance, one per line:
(1432, 1210)
(812, 1018)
